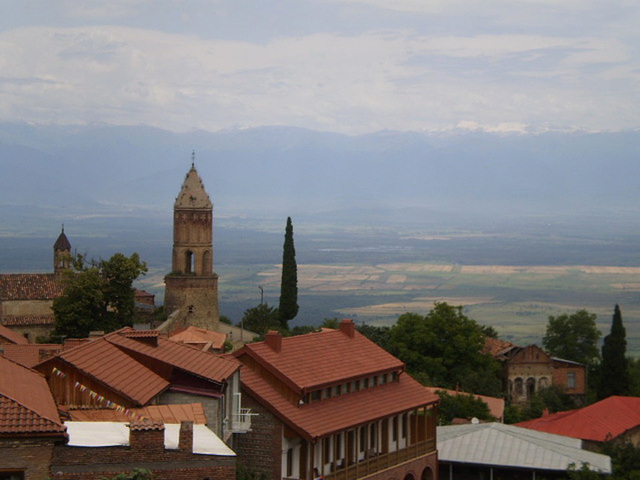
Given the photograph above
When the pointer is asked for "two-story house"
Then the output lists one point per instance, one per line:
(333, 404)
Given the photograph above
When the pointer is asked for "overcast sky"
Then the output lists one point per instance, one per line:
(349, 66)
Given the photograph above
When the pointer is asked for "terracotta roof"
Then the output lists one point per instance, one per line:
(496, 405)
(308, 362)
(31, 354)
(178, 355)
(199, 337)
(26, 403)
(319, 419)
(25, 320)
(173, 413)
(29, 286)
(9, 336)
(114, 368)
(608, 418)
(496, 347)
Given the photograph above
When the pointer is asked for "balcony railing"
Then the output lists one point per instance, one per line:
(383, 461)
(241, 421)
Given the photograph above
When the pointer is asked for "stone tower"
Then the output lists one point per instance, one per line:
(61, 253)
(191, 289)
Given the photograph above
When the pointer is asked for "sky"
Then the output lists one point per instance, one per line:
(346, 66)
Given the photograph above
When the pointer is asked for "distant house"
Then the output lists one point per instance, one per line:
(610, 419)
(9, 337)
(526, 370)
(336, 405)
(26, 298)
(30, 426)
(205, 340)
(133, 369)
(498, 451)
(30, 354)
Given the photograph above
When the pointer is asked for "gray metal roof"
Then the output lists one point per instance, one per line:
(499, 445)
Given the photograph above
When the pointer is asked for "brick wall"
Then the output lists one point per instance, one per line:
(80, 463)
(260, 450)
(33, 455)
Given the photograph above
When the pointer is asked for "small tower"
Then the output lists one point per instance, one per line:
(61, 253)
(191, 292)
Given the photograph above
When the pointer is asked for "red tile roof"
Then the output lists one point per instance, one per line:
(165, 413)
(319, 419)
(199, 337)
(608, 418)
(25, 320)
(31, 354)
(308, 362)
(9, 336)
(26, 403)
(178, 355)
(29, 286)
(496, 347)
(112, 367)
(496, 405)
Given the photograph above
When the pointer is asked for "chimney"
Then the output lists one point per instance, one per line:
(347, 326)
(146, 436)
(185, 438)
(274, 340)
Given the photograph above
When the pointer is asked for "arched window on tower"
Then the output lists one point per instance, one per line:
(189, 262)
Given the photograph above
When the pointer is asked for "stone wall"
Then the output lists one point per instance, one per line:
(30, 455)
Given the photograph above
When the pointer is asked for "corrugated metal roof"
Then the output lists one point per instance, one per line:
(608, 418)
(26, 403)
(499, 445)
(323, 358)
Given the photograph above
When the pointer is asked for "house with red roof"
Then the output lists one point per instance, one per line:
(26, 298)
(609, 419)
(30, 426)
(129, 369)
(334, 404)
(526, 370)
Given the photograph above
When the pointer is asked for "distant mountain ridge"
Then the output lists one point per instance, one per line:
(288, 171)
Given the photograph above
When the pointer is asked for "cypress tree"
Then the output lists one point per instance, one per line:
(614, 372)
(288, 308)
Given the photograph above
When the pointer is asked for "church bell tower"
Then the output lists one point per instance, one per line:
(191, 293)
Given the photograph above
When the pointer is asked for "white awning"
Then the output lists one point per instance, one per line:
(114, 434)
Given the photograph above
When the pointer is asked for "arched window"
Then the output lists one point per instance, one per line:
(517, 383)
(531, 387)
(189, 259)
(206, 262)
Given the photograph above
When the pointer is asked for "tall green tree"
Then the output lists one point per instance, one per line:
(288, 308)
(573, 337)
(444, 348)
(260, 319)
(97, 296)
(614, 370)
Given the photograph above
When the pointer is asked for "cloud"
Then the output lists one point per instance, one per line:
(409, 78)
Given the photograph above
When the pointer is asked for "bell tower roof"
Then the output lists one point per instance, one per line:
(62, 243)
(192, 194)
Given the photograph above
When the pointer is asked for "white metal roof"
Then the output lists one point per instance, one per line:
(112, 434)
(499, 445)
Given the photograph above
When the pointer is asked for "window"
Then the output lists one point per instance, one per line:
(326, 450)
(405, 425)
(290, 462)
(363, 439)
(11, 474)
(336, 391)
(394, 429)
(571, 380)
(315, 396)
(372, 435)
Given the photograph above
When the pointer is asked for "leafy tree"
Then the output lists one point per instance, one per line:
(381, 336)
(582, 473)
(625, 459)
(446, 346)
(97, 296)
(461, 406)
(552, 398)
(573, 337)
(289, 285)
(614, 369)
(261, 319)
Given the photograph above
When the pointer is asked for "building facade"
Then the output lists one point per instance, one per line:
(333, 404)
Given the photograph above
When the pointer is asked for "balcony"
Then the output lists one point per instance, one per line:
(381, 462)
(241, 421)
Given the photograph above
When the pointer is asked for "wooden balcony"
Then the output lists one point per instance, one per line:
(376, 463)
